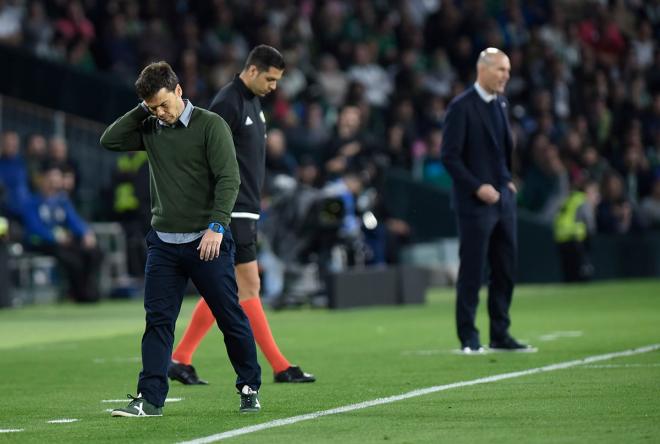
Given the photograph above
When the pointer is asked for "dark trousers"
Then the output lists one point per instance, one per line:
(166, 275)
(485, 239)
(81, 267)
(575, 263)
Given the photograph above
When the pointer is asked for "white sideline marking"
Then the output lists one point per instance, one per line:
(62, 421)
(419, 392)
(10, 430)
(126, 400)
(560, 334)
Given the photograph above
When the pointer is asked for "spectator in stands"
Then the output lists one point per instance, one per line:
(191, 76)
(433, 170)
(636, 173)
(333, 82)
(650, 206)
(643, 45)
(308, 173)
(36, 154)
(38, 30)
(156, 41)
(440, 75)
(594, 165)
(11, 15)
(311, 136)
(74, 25)
(546, 182)
(372, 76)
(571, 155)
(120, 43)
(574, 225)
(653, 151)
(403, 114)
(58, 154)
(651, 128)
(615, 213)
(280, 164)
(13, 174)
(347, 149)
(600, 33)
(53, 227)
(398, 151)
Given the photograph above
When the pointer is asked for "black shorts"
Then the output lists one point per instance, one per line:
(244, 232)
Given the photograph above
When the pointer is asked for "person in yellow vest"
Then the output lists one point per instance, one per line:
(130, 206)
(574, 223)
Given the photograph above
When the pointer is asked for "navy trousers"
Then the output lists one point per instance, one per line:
(169, 266)
(486, 238)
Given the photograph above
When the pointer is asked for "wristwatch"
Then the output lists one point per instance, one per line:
(217, 227)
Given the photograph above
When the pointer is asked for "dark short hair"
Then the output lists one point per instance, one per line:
(154, 77)
(49, 165)
(263, 57)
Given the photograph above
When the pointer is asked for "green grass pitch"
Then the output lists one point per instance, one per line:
(61, 361)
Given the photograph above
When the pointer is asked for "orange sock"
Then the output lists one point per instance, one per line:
(262, 334)
(201, 322)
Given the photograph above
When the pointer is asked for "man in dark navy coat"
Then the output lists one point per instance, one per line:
(477, 150)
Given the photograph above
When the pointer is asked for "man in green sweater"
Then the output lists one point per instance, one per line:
(194, 182)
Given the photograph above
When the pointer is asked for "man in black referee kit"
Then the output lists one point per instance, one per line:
(238, 104)
(194, 182)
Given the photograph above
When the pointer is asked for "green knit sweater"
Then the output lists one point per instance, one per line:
(193, 170)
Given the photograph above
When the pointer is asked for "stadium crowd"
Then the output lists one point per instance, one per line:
(367, 84)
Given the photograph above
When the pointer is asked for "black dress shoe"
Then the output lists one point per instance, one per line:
(510, 344)
(294, 374)
(185, 374)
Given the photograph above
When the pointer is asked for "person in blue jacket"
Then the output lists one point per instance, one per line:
(53, 227)
(13, 175)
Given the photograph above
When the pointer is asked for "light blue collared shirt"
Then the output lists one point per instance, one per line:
(180, 238)
(487, 97)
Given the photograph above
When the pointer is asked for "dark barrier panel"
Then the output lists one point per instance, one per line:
(98, 97)
(538, 259)
(359, 288)
(412, 283)
(626, 256)
(378, 286)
